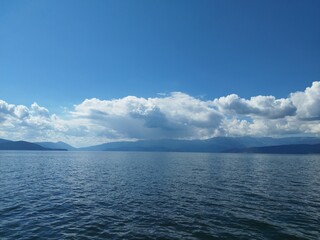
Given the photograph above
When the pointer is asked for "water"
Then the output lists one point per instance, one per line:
(131, 195)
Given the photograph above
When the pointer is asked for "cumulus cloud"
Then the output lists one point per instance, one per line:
(175, 115)
(20, 122)
(38, 110)
(308, 102)
(263, 106)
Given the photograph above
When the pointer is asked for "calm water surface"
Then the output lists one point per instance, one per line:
(130, 195)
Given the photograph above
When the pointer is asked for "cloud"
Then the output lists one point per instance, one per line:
(263, 106)
(175, 115)
(20, 122)
(40, 111)
(308, 102)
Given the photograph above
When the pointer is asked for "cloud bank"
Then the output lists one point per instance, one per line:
(176, 115)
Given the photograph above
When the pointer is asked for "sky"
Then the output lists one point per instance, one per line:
(88, 72)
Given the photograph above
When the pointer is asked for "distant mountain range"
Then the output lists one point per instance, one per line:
(214, 145)
(23, 145)
(290, 145)
(56, 145)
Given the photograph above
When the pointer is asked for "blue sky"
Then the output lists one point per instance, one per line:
(60, 53)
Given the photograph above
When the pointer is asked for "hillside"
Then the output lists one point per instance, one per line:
(56, 145)
(218, 144)
(23, 145)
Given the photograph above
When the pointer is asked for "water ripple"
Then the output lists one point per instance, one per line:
(82, 195)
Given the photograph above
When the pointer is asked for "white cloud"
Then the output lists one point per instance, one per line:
(21, 112)
(308, 102)
(20, 122)
(40, 111)
(175, 115)
(263, 106)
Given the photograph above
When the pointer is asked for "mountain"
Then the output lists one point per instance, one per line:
(23, 145)
(3, 140)
(56, 145)
(164, 145)
(217, 144)
(281, 149)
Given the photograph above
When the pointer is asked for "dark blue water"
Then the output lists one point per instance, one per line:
(126, 195)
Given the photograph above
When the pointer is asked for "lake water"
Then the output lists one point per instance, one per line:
(136, 195)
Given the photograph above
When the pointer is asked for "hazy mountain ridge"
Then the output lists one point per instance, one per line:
(23, 145)
(56, 145)
(3, 140)
(215, 145)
